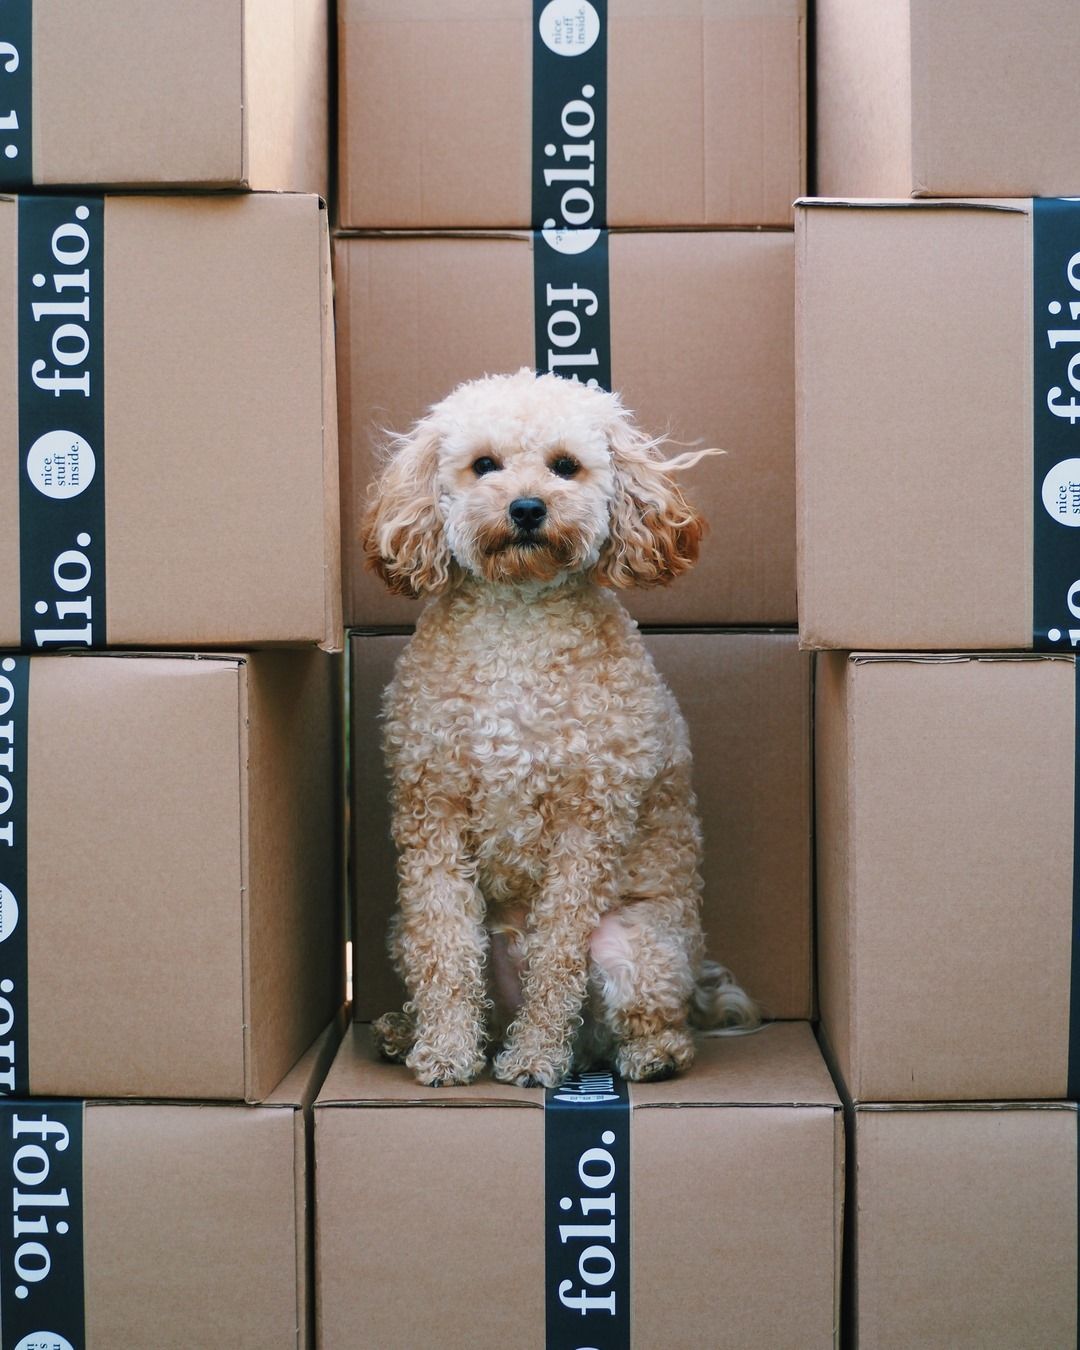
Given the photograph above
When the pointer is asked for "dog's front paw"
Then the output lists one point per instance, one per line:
(517, 1066)
(435, 1068)
(650, 1059)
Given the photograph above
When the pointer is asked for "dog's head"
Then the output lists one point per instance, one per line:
(525, 477)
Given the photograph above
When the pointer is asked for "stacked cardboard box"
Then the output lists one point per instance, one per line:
(936, 486)
(170, 920)
(672, 164)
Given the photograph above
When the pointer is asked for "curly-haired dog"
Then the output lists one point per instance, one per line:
(542, 806)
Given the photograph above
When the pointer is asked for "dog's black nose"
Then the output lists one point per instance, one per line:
(528, 513)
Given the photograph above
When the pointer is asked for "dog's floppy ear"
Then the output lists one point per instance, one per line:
(402, 531)
(655, 533)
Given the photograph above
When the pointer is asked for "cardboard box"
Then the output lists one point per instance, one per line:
(973, 98)
(701, 346)
(169, 1224)
(916, 481)
(963, 1224)
(945, 820)
(430, 1217)
(181, 922)
(209, 360)
(746, 699)
(705, 113)
(218, 93)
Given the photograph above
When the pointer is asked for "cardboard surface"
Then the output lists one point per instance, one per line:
(701, 346)
(918, 98)
(222, 525)
(945, 874)
(184, 938)
(914, 480)
(218, 93)
(706, 113)
(736, 1186)
(966, 1223)
(196, 1219)
(746, 698)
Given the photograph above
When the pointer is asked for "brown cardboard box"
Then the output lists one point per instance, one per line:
(430, 1218)
(701, 345)
(196, 1218)
(213, 93)
(746, 698)
(963, 1221)
(705, 113)
(945, 792)
(914, 425)
(969, 98)
(183, 917)
(220, 428)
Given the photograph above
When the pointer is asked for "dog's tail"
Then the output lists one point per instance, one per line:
(720, 1005)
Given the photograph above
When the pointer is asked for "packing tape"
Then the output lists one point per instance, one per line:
(14, 708)
(61, 389)
(1056, 422)
(572, 306)
(16, 98)
(587, 1213)
(42, 1303)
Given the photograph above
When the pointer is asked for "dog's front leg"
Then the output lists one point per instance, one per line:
(440, 948)
(579, 887)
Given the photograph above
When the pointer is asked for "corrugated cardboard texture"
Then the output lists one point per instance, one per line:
(945, 831)
(746, 699)
(735, 1195)
(701, 346)
(294, 921)
(967, 1229)
(214, 93)
(190, 1227)
(185, 916)
(286, 76)
(975, 97)
(862, 80)
(222, 536)
(706, 122)
(913, 339)
(134, 878)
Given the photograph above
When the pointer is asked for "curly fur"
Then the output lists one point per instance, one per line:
(548, 840)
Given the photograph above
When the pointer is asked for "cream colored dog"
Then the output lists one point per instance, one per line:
(547, 830)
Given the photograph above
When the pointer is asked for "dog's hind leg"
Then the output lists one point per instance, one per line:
(642, 982)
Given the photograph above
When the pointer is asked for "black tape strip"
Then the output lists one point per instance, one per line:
(16, 98)
(14, 698)
(1073, 1085)
(41, 1226)
(569, 123)
(61, 421)
(1056, 422)
(587, 1213)
(572, 305)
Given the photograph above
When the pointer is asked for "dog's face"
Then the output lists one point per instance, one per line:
(526, 478)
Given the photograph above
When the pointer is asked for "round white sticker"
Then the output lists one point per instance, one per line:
(60, 464)
(570, 241)
(37, 1339)
(569, 27)
(9, 912)
(1061, 492)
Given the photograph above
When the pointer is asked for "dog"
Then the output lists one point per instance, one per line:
(547, 833)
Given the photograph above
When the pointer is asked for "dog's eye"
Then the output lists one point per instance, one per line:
(485, 464)
(564, 466)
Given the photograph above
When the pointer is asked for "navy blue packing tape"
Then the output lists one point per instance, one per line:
(42, 1296)
(587, 1212)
